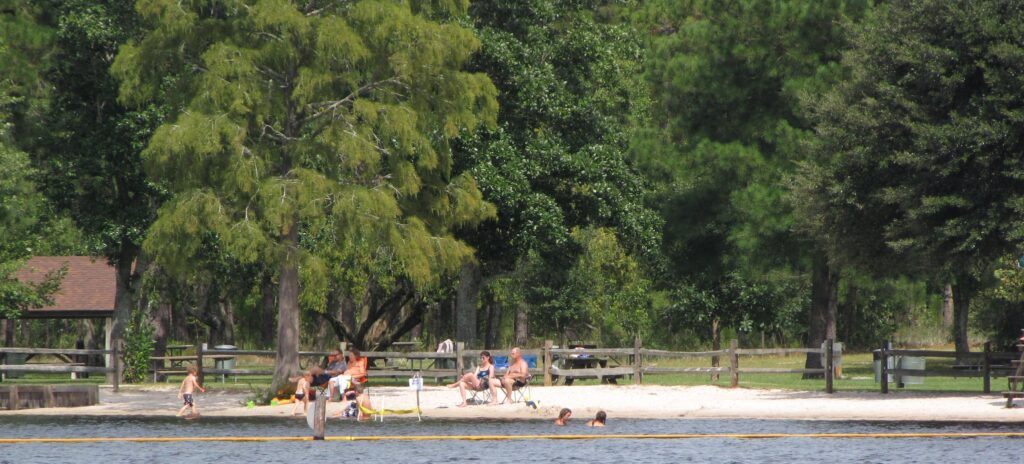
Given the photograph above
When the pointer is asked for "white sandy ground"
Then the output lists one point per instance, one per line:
(623, 401)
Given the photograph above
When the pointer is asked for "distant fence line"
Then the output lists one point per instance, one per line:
(635, 362)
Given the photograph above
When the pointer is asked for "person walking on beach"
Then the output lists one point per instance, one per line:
(185, 392)
(563, 417)
(599, 420)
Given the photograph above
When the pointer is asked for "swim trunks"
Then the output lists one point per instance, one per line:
(188, 399)
(519, 383)
(299, 396)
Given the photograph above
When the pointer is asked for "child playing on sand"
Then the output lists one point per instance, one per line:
(301, 387)
(185, 392)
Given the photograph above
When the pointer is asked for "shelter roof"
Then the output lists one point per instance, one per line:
(87, 290)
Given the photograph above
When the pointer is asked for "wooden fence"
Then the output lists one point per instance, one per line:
(113, 362)
(632, 364)
(985, 364)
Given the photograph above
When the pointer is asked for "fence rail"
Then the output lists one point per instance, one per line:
(987, 367)
(112, 367)
(635, 362)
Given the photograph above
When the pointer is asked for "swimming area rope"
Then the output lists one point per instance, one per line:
(741, 436)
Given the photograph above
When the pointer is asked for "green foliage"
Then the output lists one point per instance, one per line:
(735, 301)
(138, 347)
(920, 153)
(302, 115)
(558, 163)
(726, 78)
(605, 291)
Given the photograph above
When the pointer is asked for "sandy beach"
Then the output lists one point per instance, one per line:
(625, 401)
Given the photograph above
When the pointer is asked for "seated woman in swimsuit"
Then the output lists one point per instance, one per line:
(481, 378)
(357, 366)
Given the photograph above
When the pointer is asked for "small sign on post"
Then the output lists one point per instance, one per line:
(416, 384)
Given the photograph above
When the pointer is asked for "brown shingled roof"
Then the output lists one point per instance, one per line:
(86, 291)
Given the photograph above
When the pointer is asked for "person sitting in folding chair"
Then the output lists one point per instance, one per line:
(480, 380)
(517, 376)
(357, 366)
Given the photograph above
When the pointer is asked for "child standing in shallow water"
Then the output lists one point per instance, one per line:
(185, 392)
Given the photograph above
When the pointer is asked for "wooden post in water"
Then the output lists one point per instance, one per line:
(547, 362)
(319, 416)
(829, 365)
(459, 362)
(734, 363)
(883, 357)
(986, 364)
(637, 362)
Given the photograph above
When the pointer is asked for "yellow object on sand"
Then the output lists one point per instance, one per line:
(388, 412)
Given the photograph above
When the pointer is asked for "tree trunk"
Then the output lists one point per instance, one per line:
(947, 307)
(962, 293)
(161, 329)
(848, 312)
(822, 321)
(124, 296)
(286, 362)
(466, 304)
(8, 334)
(493, 324)
(122, 293)
(222, 329)
(522, 328)
(268, 300)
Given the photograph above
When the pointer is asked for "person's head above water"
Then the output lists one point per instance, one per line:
(600, 417)
(564, 414)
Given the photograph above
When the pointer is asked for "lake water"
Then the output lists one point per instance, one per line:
(982, 450)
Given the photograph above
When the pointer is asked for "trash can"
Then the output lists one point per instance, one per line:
(911, 362)
(876, 363)
(224, 363)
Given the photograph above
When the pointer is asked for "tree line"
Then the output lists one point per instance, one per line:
(285, 173)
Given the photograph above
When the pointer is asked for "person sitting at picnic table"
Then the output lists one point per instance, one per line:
(483, 377)
(517, 375)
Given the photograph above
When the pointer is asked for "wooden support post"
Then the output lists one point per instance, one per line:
(459, 362)
(986, 366)
(829, 366)
(108, 331)
(637, 362)
(734, 363)
(14, 400)
(547, 362)
(883, 357)
(319, 417)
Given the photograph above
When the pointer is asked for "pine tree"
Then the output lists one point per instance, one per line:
(293, 112)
